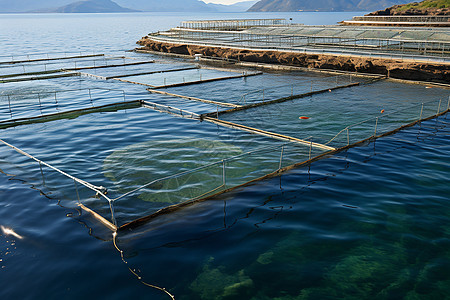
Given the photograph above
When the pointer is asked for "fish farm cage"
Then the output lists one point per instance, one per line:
(126, 138)
(238, 24)
(402, 43)
(403, 20)
(217, 139)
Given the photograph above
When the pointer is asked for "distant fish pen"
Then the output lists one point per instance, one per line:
(238, 24)
(416, 21)
(224, 167)
(398, 43)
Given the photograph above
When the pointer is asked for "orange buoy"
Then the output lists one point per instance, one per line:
(382, 111)
(329, 91)
(303, 118)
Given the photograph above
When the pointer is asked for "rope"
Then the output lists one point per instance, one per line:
(98, 189)
(134, 272)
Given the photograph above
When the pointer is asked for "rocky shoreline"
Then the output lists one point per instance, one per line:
(408, 70)
(396, 11)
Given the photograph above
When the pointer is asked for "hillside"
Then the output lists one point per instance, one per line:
(427, 7)
(8, 6)
(172, 5)
(323, 5)
(92, 6)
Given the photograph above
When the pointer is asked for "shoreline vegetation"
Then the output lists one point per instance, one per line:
(424, 8)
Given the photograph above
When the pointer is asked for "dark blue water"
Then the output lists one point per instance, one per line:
(367, 223)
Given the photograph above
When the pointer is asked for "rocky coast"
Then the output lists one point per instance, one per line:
(393, 68)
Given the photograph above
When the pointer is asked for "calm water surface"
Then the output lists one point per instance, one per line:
(368, 223)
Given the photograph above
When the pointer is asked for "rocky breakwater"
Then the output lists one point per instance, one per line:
(408, 70)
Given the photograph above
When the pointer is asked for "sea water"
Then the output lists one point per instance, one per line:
(367, 223)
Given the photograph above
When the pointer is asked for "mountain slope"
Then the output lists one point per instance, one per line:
(92, 6)
(8, 6)
(323, 5)
(172, 5)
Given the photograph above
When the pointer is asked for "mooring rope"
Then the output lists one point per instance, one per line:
(134, 272)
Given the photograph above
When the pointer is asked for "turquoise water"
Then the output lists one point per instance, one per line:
(367, 223)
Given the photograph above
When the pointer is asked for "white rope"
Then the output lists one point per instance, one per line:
(98, 189)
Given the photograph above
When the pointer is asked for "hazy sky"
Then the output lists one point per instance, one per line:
(222, 1)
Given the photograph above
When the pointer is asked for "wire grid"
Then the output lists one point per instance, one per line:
(54, 183)
(297, 88)
(386, 123)
(398, 44)
(209, 179)
(33, 104)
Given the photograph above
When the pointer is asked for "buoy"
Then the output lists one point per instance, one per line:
(303, 118)
(428, 87)
(382, 111)
(329, 91)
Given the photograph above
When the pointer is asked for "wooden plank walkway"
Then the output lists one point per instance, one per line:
(194, 98)
(267, 133)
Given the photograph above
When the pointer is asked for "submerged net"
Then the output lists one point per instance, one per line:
(141, 163)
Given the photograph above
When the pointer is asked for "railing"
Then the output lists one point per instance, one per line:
(304, 87)
(55, 183)
(49, 55)
(394, 48)
(35, 103)
(422, 19)
(46, 66)
(239, 24)
(220, 175)
(384, 123)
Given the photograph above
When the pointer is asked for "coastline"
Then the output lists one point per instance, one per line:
(392, 68)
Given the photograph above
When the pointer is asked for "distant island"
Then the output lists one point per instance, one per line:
(427, 7)
(324, 5)
(92, 6)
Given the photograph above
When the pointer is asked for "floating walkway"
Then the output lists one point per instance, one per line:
(396, 21)
(48, 59)
(245, 74)
(32, 78)
(152, 72)
(218, 103)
